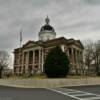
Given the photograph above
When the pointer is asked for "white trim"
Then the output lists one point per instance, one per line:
(68, 92)
(64, 93)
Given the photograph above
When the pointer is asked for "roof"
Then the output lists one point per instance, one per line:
(47, 28)
(63, 40)
(52, 42)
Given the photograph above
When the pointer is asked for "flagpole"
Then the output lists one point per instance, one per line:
(20, 51)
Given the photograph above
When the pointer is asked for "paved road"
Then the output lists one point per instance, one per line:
(93, 88)
(9, 93)
(66, 93)
(81, 92)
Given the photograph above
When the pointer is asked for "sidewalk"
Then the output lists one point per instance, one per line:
(49, 83)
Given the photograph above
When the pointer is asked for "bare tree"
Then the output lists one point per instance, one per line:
(4, 61)
(92, 55)
(89, 53)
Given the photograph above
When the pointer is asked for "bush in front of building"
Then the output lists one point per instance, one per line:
(56, 64)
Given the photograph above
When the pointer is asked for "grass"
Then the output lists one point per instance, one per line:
(37, 76)
(43, 76)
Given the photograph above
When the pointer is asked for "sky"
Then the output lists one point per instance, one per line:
(78, 19)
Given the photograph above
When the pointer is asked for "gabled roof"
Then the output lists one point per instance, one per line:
(52, 42)
(63, 40)
(80, 43)
(56, 41)
(29, 42)
(75, 42)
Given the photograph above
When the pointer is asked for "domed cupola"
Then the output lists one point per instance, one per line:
(47, 32)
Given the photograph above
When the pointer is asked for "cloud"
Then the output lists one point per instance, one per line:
(92, 2)
(79, 19)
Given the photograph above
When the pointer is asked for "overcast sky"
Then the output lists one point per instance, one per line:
(79, 19)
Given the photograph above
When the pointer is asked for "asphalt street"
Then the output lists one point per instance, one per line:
(65, 93)
(93, 88)
(9, 93)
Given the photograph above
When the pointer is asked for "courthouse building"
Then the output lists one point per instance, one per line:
(30, 58)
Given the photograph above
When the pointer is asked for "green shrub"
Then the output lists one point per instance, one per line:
(56, 64)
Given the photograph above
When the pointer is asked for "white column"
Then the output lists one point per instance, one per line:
(25, 54)
(42, 60)
(39, 70)
(27, 61)
(75, 56)
(68, 53)
(72, 55)
(33, 60)
(22, 62)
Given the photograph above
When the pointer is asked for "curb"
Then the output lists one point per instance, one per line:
(49, 83)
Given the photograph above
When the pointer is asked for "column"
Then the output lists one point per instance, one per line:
(76, 56)
(27, 62)
(22, 63)
(33, 61)
(68, 52)
(80, 62)
(76, 62)
(42, 60)
(39, 69)
(72, 55)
